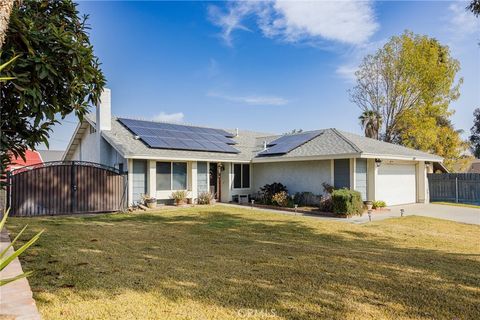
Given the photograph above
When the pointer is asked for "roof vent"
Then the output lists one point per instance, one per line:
(136, 137)
(265, 145)
(236, 132)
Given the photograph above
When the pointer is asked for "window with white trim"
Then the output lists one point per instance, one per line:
(241, 175)
(171, 176)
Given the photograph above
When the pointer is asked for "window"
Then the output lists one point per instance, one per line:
(237, 175)
(202, 177)
(341, 173)
(245, 176)
(179, 176)
(171, 176)
(164, 176)
(241, 175)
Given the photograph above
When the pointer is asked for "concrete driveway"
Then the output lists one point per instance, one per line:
(440, 211)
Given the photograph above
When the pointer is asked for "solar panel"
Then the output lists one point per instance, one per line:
(287, 143)
(180, 137)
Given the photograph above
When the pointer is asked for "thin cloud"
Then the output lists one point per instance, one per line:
(251, 100)
(169, 117)
(463, 22)
(350, 22)
(347, 72)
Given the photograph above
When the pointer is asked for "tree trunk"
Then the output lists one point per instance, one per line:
(6, 7)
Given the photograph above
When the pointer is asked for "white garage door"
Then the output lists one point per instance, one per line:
(396, 184)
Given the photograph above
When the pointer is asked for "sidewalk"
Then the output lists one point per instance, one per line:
(16, 297)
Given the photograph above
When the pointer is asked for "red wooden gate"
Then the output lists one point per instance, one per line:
(67, 187)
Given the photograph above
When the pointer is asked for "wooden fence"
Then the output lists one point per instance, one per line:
(455, 187)
(67, 187)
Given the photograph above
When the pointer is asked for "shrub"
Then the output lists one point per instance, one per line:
(379, 204)
(179, 197)
(205, 198)
(306, 199)
(347, 202)
(268, 190)
(280, 199)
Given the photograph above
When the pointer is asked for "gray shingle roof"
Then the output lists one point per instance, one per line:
(51, 155)
(330, 142)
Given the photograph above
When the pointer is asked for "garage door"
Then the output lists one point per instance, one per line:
(396, 184)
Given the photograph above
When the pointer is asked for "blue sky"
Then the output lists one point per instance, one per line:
(262, 66)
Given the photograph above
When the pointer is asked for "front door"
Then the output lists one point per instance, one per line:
(214, 178)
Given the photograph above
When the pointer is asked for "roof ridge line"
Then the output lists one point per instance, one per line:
(353, 145)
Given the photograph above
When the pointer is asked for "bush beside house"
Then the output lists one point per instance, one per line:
(347, 202)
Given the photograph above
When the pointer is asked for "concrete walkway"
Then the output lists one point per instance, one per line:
(439, 211)
(16, 297)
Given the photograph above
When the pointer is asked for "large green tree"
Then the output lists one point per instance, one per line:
(410, 81)
(475, 134)
(56, 73)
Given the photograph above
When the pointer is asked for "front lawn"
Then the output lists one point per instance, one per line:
(227, 263)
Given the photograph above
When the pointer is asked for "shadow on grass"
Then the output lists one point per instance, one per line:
(235, 261)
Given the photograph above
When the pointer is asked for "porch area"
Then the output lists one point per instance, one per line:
(160, 178)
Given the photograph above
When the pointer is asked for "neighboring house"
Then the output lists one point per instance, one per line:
(31, 157)
(474, 166)
(162, 157)
(51, 155)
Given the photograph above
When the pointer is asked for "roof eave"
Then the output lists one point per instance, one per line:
(401, 157)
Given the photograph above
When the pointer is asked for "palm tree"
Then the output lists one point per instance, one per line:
(371, 121)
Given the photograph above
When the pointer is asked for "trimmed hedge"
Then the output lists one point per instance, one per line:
(347, 202)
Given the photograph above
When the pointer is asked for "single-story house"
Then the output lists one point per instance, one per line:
(163, 157)
(51, 155)
(31, 157)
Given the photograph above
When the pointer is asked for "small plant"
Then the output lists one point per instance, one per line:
(269, 190)
(205, 198)
(6, 259)
(179, 197)
(379, 204)
(149, 201)
(347, 202)
(280, 199)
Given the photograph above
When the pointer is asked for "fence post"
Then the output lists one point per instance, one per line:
(456, 189)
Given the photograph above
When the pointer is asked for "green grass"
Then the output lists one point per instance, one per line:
(227, 263)
(465, 205)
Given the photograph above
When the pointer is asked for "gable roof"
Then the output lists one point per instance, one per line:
(331, 143)
(336, 143)
(51, 155)
(123, 140)
(31, 157)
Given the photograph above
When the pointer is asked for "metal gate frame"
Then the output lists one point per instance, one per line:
(75, 201)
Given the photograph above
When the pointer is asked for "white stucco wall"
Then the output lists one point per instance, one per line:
(87, 150)
(297, 176)
(89, 147)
